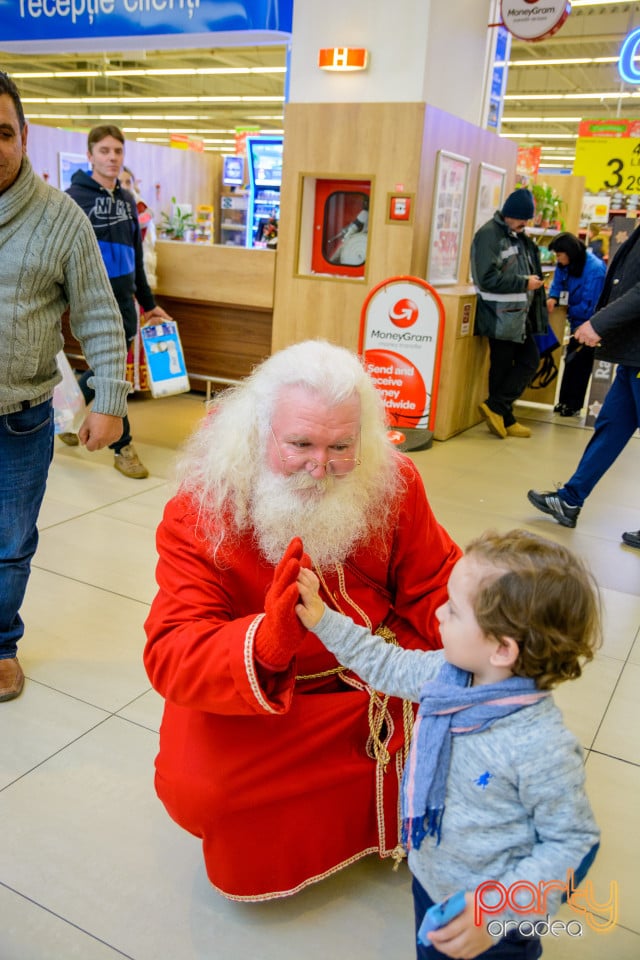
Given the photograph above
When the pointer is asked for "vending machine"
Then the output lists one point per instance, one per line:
(264, 161)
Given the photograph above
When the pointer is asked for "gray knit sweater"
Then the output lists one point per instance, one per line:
(50, 260)
(515, 804)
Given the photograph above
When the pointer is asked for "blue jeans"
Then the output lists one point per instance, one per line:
(617, 422)
(511, 947)
(26, 449)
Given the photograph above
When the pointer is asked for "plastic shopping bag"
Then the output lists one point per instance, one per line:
(69, 408)
(165, 359)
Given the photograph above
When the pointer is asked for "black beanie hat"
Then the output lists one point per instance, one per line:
(519, 205)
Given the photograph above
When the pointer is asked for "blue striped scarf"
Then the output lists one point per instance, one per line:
(438, 719)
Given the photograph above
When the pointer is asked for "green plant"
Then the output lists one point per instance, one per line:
(549, 205)
(176, 224)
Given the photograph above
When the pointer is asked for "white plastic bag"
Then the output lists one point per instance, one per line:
(69, 408)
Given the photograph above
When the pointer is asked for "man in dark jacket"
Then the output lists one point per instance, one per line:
(511, 308)
(114, 218)
(615, 330)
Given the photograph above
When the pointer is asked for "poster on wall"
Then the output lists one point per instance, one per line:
(491, 181)
(447, 220)
(68, 163)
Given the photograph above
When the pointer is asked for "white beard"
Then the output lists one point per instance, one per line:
(329, 515)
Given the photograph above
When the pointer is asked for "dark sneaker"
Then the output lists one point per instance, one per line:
(549, 502)
(632, 539)
(71, 439)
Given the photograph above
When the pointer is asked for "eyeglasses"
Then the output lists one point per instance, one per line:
(336, 466)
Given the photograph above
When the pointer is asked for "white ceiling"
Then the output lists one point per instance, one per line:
(542, 106)
(541, 97)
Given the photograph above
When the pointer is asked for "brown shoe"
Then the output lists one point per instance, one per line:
(518, 430)
(71, 439)
(128, 463)
(493, 420)
(11, 679)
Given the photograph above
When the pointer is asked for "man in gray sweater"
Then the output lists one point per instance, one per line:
(49, 261)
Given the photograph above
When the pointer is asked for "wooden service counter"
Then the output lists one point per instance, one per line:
(222, 299)
(464, 365)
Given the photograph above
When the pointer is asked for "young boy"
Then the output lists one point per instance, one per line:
(494, 784)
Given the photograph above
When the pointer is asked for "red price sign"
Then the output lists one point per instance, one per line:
(608, 163)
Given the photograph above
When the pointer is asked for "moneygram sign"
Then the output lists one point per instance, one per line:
(401, 333)
(533, 20)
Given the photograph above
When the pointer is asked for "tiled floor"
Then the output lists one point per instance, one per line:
(91, 867)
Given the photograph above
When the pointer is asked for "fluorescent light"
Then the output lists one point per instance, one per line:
(57, 75)
(537, 136)
(617, 95)
(160, 72)
(124, 101)
(566, 61)
(541, 119)
(594, 3)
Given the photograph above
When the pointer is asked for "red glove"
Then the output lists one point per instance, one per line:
(281, 634)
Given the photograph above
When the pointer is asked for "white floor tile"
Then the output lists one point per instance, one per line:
(613, 789)
(145, 710)
(31, 933)
(583, 701)
(102, 854)
(107, 553)
(619, 734)
(35, 726)
(93, 867)
(83, 641)
(621, 622)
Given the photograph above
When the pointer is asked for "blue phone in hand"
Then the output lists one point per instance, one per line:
(440, 914)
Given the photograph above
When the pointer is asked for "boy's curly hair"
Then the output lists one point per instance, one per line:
(544, 597)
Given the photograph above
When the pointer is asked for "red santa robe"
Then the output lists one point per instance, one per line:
(286, 777)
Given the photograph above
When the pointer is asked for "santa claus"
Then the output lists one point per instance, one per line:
(288, 770)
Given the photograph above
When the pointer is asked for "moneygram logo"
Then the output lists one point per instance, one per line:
(524, 897)
(403, 313)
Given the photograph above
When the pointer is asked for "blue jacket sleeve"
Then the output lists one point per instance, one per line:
(559, 282)
(582, 307)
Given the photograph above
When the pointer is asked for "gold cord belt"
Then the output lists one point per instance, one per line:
(378, 714)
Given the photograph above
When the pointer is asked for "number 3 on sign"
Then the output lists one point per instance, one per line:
(608, 163)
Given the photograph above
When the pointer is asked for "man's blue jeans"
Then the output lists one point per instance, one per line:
(616, 424)
(26, 449)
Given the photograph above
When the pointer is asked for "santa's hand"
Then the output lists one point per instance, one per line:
(280, 633)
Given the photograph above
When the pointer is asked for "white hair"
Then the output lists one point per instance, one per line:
(222, 461)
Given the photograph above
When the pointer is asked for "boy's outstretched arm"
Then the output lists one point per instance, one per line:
(311, 607)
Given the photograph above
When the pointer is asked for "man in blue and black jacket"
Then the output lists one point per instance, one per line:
(614, 330)
(114, 218)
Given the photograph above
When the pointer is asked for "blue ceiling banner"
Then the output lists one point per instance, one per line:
(72, 25)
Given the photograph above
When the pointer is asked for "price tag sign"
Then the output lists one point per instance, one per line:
(608, 163)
